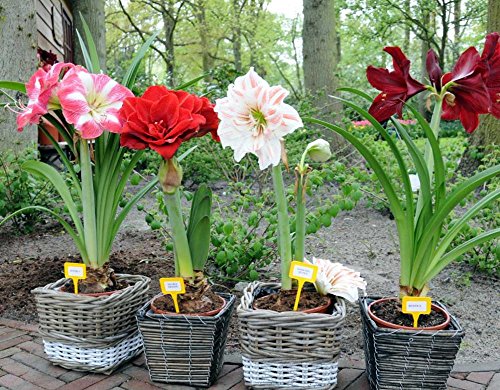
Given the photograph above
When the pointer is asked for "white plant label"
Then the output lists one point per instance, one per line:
(76, 272)
(306, 272)
(172, 286)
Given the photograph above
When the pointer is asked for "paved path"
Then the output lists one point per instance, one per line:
(23, 366)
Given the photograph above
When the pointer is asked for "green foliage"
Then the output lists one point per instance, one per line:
(198, 231)
(19, 190)
(425, 246)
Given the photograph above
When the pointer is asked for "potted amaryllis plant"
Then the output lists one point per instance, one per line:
(94, 330)
(172, 327)
(254, 119)
(428, 344)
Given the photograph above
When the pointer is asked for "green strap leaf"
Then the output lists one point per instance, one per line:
(126, 209)
(190, 82)
(85, 52)
(91, 48)
(356, 92)
(198, 232)
(453, 199)
(130, 75)
(13, 85)
(458, 225)
(50, 173)
(460, 250)
(76, 238)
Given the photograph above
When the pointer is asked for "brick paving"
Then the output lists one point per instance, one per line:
(23, 366)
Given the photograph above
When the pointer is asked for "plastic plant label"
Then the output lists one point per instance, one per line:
(75, 272)
(303, 272)
(173, 287)
(416, 306)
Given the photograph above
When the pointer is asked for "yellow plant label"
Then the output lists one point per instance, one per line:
(75, 272)
(173, 287)
(416, 306)
(303, 272)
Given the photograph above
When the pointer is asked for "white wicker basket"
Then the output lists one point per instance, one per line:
(293, 376)
(102, 360)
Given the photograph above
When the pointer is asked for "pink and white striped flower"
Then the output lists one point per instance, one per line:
(336, 279)
(42, 93)
(254, 119)
(91, 102)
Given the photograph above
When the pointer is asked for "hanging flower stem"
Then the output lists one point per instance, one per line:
(284, 244)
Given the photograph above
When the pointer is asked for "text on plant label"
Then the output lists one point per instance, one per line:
(172, 286)
(303, 272)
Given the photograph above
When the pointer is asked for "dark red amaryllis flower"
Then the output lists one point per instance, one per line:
(490, 61)
(163, 119)
(467, 97)
(397, 86)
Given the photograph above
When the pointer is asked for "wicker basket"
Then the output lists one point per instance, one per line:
(406, 359)
(82, 332)
(289, 350)
(185, 349)
(103, 360)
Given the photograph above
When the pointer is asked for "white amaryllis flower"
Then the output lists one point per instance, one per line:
(335, 279)
(254, 119)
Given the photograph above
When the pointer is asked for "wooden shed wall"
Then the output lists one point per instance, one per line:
(54, 24)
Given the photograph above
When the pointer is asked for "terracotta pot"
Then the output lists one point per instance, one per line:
(320, 309)
(42, 138)
(205, 314)
(387, 324)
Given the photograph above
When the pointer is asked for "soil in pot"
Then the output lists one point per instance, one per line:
(284, 300)
(207, 303)
(390, 311)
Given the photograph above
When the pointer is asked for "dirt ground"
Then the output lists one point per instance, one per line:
(362, 239)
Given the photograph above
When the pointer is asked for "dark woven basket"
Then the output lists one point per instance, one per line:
(407, 359)
(89, 320)
(185, 349)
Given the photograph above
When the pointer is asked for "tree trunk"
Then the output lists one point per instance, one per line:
(488, 132)
(17, 63)
(236, 35)
(207, 61)
(93, 13)
(169, 27)
(457, 14)
(320, 59)
(406, 42)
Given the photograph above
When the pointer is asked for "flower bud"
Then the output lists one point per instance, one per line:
(319, 150)
(170, 175)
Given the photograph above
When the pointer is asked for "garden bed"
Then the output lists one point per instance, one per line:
(363, 239)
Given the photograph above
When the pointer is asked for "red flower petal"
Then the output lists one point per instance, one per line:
(383, 80)
(433, 69)
(466, 64)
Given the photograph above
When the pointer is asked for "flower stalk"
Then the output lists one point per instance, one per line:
(88, 204)
(284, 243)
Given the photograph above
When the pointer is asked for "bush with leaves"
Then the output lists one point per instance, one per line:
(19, 189)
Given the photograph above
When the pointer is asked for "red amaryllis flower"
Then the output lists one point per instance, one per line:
(162, 119)
(490, 59)
(467, 97)
(396, 86)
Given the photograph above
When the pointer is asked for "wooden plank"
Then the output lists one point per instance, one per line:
(57, 25)
(45, 29)
(43, 11)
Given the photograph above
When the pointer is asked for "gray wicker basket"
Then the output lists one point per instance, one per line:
(289, 350)
(185, 349)
(406, 359)
(91, 333)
